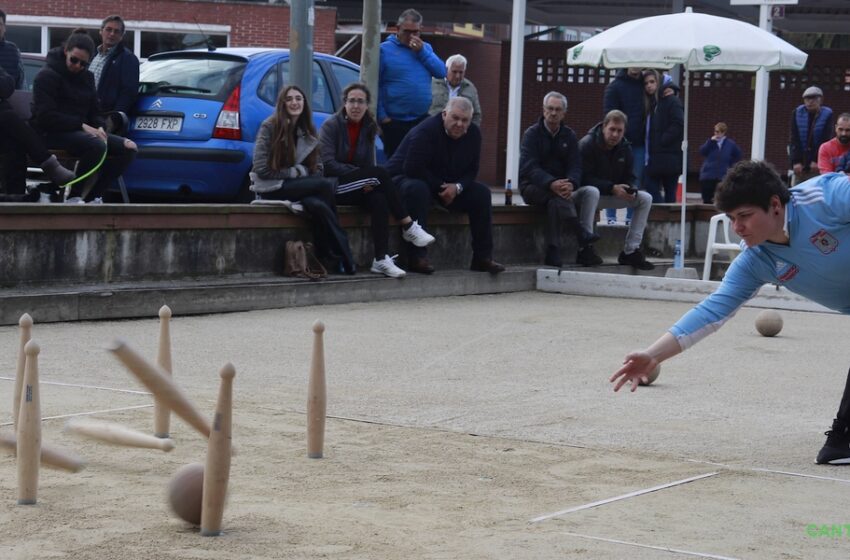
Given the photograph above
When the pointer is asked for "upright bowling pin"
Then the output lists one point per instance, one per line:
(29, 430)
(316, 396)
(25, 324)
(217, 469)
(161, 412)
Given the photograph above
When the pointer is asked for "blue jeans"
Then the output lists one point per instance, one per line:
(640, 153)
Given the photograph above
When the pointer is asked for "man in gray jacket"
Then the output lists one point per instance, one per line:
(453, 85)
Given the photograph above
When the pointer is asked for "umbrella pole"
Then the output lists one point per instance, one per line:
(682, 236)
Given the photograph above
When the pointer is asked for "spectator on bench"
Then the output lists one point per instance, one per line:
(66, 112)
(348, 155)
(288, 167)
(19, 133)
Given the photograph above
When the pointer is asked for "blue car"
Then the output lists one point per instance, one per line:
(198, 113)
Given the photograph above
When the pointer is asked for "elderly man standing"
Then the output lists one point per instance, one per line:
(454, 84)
(550, 176)
(607, 165)
(115, 68)
(438, 162)
(811, 125)
(404, 82)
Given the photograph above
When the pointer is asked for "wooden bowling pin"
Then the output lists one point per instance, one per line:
(116, 434)
(217, 469)
(161, 412)
(50, 456)
(25, 324)
(161, 385)
(316, 396)
(29, 430)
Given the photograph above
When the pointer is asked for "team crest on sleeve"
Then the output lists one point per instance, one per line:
(824, 241)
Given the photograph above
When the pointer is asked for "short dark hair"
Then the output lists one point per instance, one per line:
(80, 39)
(108, 19)
(750, 182)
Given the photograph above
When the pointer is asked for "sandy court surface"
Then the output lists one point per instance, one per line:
(454, 423)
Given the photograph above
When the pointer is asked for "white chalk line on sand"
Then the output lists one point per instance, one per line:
(622, 497)
(662, 548)
(88, 413)
(76, 385)
(771, 471)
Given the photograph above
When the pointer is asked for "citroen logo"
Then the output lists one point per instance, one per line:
(156, 104)
(199, 115)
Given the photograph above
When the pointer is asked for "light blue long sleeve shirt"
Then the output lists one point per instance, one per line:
(815, 264)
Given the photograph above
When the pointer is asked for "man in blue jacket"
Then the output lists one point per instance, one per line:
(115, 68)
(404, 83)
(812, 124)
(438, 162)
(795, 238)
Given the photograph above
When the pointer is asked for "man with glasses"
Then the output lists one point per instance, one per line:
(812, 124)
(550, 176)
(404, 83)
(115, 68)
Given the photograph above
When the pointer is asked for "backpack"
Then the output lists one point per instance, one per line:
(300, 261)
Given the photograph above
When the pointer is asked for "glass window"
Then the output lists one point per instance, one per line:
(267, 91)
(193, 76)
(321, 99)
(161, 41)
(28, 39)
(57, 36)
(344, 75)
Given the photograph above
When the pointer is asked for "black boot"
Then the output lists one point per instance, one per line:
(553, 257)
(836, 450)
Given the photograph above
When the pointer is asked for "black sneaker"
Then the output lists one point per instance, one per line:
(585, 237)
(836, 450)
(588, 257)
(553, 257)
(635, 259)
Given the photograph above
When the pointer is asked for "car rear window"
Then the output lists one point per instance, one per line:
(193, 77)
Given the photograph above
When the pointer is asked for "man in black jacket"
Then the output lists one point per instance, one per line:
(607, 164)
(115, 69)
(438, 162)
(550, 176)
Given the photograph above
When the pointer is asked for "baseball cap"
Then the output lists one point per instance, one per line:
(812, 91)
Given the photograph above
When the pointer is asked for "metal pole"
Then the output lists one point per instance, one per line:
(302, 18)
(370, 53)
(682, 230)
(762, 88)
(515, 91)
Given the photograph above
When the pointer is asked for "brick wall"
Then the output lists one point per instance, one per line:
(726, 98)
(252, 24)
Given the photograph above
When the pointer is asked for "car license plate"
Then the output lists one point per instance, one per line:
(164, 124)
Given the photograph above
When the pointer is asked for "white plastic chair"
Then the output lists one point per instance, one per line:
(713, 246)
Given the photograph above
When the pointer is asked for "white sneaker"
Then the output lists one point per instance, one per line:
(97, 200)
(75, 200)
(387, 267)
(417, 235)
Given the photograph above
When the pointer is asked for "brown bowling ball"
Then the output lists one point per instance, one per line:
(186, 491)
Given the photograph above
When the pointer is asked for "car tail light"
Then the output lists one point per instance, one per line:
(227, 125)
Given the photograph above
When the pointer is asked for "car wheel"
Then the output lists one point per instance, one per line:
(245, 194)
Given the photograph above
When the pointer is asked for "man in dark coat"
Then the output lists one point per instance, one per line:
(115, 68)
(13, 166)
(438, 162)
(607, 165)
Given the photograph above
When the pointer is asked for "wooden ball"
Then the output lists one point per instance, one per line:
(186, 492)
(653, 375)
(769, 323)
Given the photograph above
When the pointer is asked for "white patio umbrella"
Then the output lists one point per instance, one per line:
(699, 42)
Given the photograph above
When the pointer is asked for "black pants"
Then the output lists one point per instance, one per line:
(475, 201)
(707, 188)
(393, 132)
(89, 150)
(843, 416)
(316, 194)
(19, 141)
(559, 211)
(381, 201)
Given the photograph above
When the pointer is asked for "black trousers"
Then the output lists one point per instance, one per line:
(707, 188)
(19, 141)
(559, 211)
(316, 194)
(843, 416)
(393, 132)
(89, 150)
(475, 201)
(381, 201)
